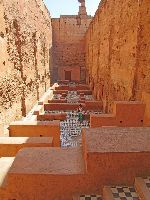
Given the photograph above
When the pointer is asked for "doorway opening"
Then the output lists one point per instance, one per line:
(68, 75)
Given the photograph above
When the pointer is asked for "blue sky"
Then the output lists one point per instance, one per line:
(66, 7)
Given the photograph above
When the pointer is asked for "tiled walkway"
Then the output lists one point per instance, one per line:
(71, 127)
(90, 197)
(71, 130)
(124, 193)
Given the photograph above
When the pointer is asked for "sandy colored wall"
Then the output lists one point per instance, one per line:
(69, 46)
(117, 51)
(25, 40)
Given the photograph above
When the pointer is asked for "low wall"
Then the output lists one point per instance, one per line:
(57, 101)
(88, 105)
(73, 88)
(86, 92)
(116, 168)
(9, 146)
(93, 105)
(102, 120)
(60, 91)
(61, 106)
(49, 117)
(36, 129)
(125, 114)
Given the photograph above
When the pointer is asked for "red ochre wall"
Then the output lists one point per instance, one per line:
(68, 50)
(118, 53)
(25, 43)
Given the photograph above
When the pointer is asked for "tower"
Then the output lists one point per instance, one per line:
(82, 9)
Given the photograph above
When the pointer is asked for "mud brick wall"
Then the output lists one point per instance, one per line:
(118, 52)
(69, 46)
(25, 43)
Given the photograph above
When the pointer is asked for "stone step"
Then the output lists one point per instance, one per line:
(87, 197)
(142, 186)
(120, 193)
(9, 146)
(36, 129)
(5, 165)
(54, 172)
(50, 159)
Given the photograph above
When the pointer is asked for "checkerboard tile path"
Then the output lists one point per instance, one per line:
(90, 197)
(147, 182)
(124, 193)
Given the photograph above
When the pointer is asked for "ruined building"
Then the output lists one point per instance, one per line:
(75, 95)
(69, 45)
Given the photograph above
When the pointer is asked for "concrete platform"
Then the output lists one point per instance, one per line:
(36, 129)
(117, 139)
(49, 161)
(117, 155)
(9, 146)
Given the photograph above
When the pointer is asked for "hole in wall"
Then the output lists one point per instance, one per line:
(2, 34)
(120, 122)
(142, 120)
(41, 135)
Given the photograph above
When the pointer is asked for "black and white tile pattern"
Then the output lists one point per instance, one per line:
(124, 193)
(71, 127)
(90, 197)
(71, 130)
(147, 182)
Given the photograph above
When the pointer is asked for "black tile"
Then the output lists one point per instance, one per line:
(120, 190)
(132, 189)
(115, 195)
(87, 198)
(128, 194)
(148, 185)
(123, 198)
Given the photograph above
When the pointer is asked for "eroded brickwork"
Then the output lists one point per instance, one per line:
(25, 41)
(117, 51)
(69, 45)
